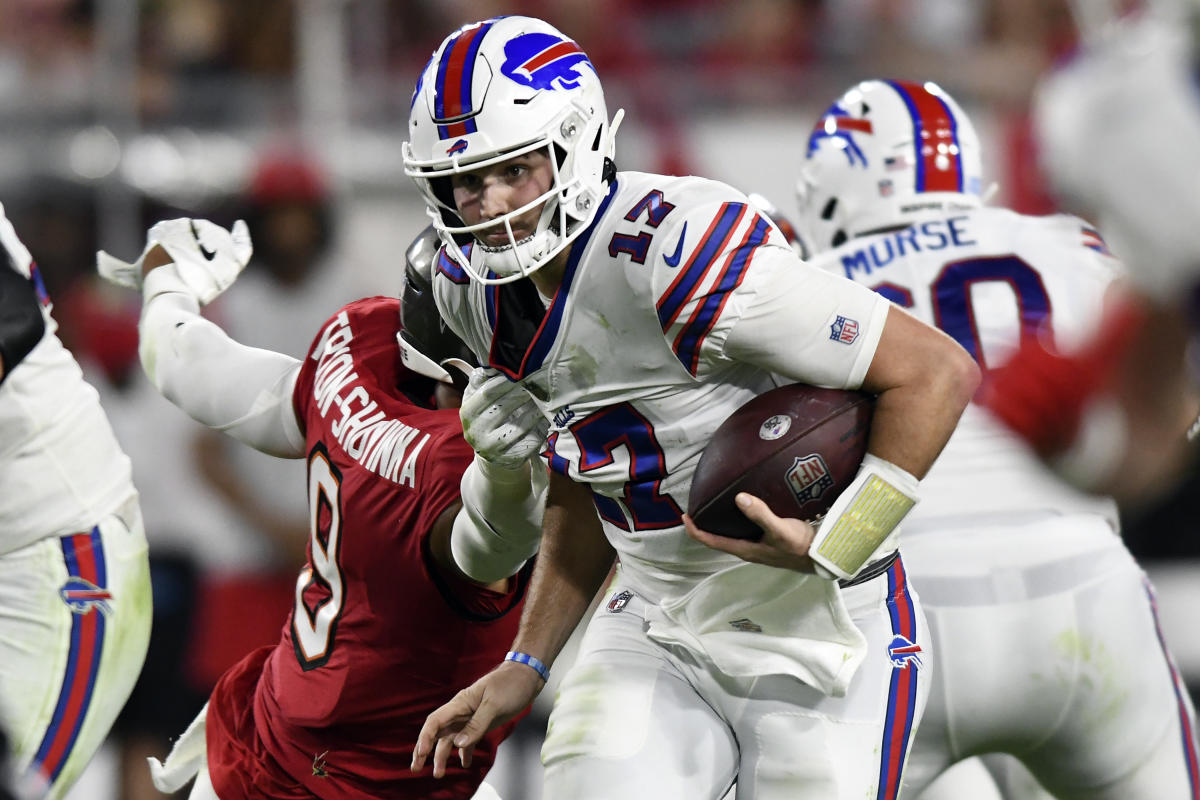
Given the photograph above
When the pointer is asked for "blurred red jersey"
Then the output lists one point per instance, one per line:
(378, 637)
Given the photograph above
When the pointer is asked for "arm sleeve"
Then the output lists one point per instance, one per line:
(500, 525)
(806, 324)
(240, 390)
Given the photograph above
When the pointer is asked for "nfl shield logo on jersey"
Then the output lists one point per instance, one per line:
(808, 477)
(844, 330)
(618, 602)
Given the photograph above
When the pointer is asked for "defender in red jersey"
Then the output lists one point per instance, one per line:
(384, 625)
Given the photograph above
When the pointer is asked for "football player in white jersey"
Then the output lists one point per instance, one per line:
(1118, 127)
(1046, 643)
(638, 311)
(74, 574)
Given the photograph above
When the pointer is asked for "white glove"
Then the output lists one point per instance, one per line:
(207, 257)
(500, 419)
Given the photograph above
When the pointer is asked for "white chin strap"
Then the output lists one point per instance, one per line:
(520, 259)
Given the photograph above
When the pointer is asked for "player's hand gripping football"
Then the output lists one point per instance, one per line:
(489, 702)
(784, 543)
(500, 419)
(207, 258)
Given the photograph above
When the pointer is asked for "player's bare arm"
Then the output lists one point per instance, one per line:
(574, 560)
(924, 380)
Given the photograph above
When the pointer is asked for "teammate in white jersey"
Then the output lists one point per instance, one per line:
(1118, 127)
(639, 311)
(1046, 644)
(74, 575)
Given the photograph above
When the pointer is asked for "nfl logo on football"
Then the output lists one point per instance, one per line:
(808, 477)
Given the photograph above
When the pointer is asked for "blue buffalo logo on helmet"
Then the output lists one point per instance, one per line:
(540, 60)
(81, 596)
(837, 125)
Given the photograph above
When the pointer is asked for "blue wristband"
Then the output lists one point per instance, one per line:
(525, 658)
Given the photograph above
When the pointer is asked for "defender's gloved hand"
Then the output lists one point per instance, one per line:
(207, 257)
(500, 419)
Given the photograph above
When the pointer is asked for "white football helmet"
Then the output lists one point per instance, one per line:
(884, 154)
(494, 90)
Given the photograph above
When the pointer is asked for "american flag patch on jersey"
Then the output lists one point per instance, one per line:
(1094, 241)
(844, 330)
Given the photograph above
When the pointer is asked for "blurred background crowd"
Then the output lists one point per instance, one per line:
(290, 114)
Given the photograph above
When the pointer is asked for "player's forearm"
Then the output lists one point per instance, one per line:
(574, 560)
(912, 424)
(924, 381)
(500, 524)
(239, 390)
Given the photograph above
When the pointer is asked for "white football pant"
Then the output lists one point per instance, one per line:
(1047, 647)
(637, 721)
(74, 625)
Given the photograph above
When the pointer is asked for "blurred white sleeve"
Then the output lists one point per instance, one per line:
(500, 525)
(240, 390)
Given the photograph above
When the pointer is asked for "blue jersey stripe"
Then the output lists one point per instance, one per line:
(703, 256)
(687, 343)
(448, 267)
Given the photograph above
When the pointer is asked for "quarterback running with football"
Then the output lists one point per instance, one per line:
(1047, 644)
(384, 622)
(638, 311)
(74, 575)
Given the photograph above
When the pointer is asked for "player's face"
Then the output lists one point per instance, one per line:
(491, 192)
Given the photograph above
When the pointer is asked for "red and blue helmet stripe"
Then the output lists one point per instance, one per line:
(935, 135)
(453, 108)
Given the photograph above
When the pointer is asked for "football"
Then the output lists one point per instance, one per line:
(797, 447)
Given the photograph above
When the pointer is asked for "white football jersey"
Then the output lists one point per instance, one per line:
(60, 464)
(986, 277)
(678, 304)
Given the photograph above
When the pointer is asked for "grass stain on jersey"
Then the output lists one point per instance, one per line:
(583, 366)
(1101, 694)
